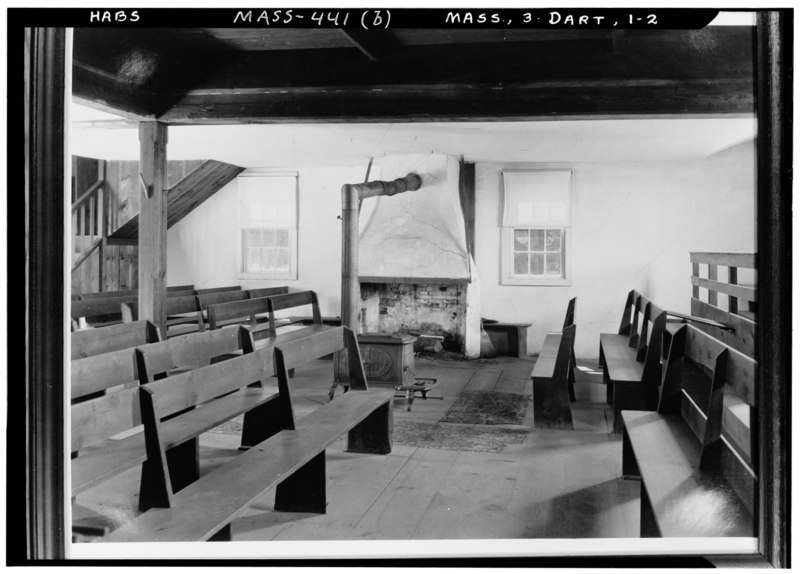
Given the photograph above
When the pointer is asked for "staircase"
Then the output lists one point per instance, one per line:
(105, 233)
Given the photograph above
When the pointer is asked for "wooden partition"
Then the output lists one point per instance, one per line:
(728, 300)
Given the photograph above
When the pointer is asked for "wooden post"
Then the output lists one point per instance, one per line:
(774, 31)
(153, 223)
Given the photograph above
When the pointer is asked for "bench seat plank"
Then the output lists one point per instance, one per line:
(620, 358)
(546, 363)
(686, 501)
(225, 493)
(106, 459)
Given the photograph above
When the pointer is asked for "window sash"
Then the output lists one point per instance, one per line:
(538, 253)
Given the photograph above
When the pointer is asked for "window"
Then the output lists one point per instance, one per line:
(267, 225)
(537, 207)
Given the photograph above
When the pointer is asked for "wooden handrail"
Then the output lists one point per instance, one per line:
(86, 253)
(700, 320)
(743, 260)
(87, 194)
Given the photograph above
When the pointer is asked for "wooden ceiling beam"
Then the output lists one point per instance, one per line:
(464, 102)
(374, 44)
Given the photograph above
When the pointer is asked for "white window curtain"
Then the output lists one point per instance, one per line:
(268, 201)
(537, 198)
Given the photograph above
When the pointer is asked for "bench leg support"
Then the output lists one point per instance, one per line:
(222, 535)
(183, 464)
(628, 396)
(262, 422)
(648, 525)
(304, 490)
(630, 469)
(373, 435)
(551, 409)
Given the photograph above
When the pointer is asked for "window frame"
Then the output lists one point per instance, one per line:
(241, 227)
(507, 275)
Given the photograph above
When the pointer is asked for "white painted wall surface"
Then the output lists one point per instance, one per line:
(634, 225)
(202, 247)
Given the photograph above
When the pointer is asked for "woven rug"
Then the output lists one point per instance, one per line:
(488, 408)
(457, 437)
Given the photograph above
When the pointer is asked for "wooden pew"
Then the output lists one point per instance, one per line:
(293, 458)
(180, 311)
(173, 291)
(551, 401)
(250, 311)
(89, 342)
(99, 312)
(632, 364)
(105, 456)
(694, 481)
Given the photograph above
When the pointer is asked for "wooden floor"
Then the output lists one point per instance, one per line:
(544, 484)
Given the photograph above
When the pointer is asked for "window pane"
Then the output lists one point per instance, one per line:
(554, 264)
(269, 238)
(520, 263)
(282, 238)
(282, 260)
(537, 239)
(537, 263)
(252, 262)
(252, 238)
(520, 240)
(554, 239)
(268, 260)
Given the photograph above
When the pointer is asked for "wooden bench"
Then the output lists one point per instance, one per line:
(632, 362)
(98, 312)
(293, 459)
(551, 401)
(694, 481)
(508, 338)
(569, 319)
(250, 311)
(89, 342)
(181, 311)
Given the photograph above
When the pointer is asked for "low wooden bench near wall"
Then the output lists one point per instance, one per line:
(696, 481)
(508, 338)
(291, 458)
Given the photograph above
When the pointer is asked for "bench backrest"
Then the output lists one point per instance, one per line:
(98, 307)
(191, 388)
(103, 417)
(246, 309)
(211, 290)
(267, 292)
(697, 360)
(627, 313)
(89, 342)
(297, 299)
(321, 343)
(189, 287)
(569, 318)
(175, 306)
(91, 375)
(186, 352)
(217, 297)
(110, 294)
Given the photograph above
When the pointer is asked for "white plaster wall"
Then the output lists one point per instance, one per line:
(634, 225)
(415, 234)
(202, 247)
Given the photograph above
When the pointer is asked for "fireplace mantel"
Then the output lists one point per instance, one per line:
(416, 280)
